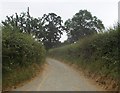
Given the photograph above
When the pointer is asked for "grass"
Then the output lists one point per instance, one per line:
(19, 76)
(22, 57)
(97, 54)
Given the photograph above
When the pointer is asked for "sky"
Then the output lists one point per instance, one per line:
(105, 10)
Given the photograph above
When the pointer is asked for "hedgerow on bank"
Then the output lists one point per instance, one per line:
(98, 54)
(21, 56)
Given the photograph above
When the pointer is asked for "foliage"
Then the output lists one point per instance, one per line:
(47, 29)
(19, 49)
(25, 23)
(98, 54)
(21, 22)
(82, 24)
(53, 30)
(19, 76)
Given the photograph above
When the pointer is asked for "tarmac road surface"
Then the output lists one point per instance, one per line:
(58, 76)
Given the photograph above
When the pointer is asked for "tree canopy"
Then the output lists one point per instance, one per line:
(82, 24)
(53, 29)
(49, 28)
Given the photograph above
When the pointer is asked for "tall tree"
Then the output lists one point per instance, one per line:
(53, 30)
(22, 22)
(82, 24)
(47, 29)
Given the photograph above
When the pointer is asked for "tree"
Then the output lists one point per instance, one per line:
(82, 24)
(53, 30)
(22, 22)
(47, 29)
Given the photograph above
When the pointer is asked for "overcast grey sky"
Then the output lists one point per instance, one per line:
(106, 10)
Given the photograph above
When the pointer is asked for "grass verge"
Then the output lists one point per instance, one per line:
(19, 76)
(97, 55)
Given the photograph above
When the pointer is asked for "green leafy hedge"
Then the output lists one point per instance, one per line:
(98, 54)
(19, 52)
(20, 49)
